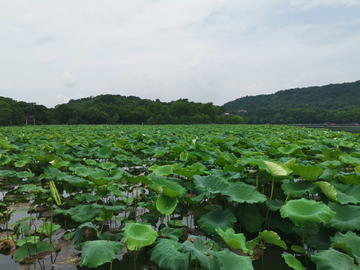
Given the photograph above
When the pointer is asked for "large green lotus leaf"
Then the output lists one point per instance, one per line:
(105, 142)
(95, 253)
(166, 205)
(138, 235)
(309, 173)
(332, 164)
(164, 170)
(53, 172)
(107, 165)
(204, 252)
(168, 188)
(108, 236)
(23, 160)
(233, 240)
(330, 154)
(91, 162)
(347, 217)
(231, 261)
(110, 208)
(293, 262)
(6, 173)
(211, 183)
(306, 213)
(273, 238)
(277, 170)
(349, 178)
(166, 255)
(184, 156)
(29, 239)
(328, 189)
(185, 172)
(6, 145)
(49, 228)
(171, 233)
(217, 218)
(198, 168)
(80, 213)
(75, 181)
(287, 150)
(31, 249)
(347, 159)
(348, 194)
(103, 153)
(332, 259)
(319, 240)
(241, 192)
(132, 179)
(84, 232)
(4, 160)
(299, 189)
(346, 144)
(33, 189)
(290, 163)
(24, 174)
(349, 242)
(251, 217)
(277, 222)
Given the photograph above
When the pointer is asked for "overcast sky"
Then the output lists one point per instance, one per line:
(203, 50)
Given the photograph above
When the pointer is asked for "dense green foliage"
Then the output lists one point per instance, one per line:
(116, 109)
(251, 188)
(338, 103)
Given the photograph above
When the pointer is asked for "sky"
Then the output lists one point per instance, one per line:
(202, 50)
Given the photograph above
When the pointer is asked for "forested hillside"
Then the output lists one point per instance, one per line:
(339, 103)
(115, 109)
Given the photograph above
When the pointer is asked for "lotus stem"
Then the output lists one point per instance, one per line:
(267, 213)
(307, 263)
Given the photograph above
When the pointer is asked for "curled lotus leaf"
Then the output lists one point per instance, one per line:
(306, 213)
(138, 235)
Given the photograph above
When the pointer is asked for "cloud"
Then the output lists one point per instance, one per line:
(63, 98)
(68, 79)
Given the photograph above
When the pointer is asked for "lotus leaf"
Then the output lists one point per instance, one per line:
(347, 159)
(231, 261)
(273, 238)
(293, 262)
(306, 213)
(164, 170)
(237, 241)
(166, 205)
(95, 253)
(31, 249)
(211, 183)
(299, 189)
(138, 235)
(84, 232)
(171, 233)
(217, 218)
(103, 152)
(349, 178)
(49, 228)
(347, 217)
(168, 188)
(308, 173)
(328, 189)
(277, 170)
(287, 150)
(4, 159)
(332, 259)
(349, 242)
(241, 192)
(29, 239)
(166, 255)
(203, 252)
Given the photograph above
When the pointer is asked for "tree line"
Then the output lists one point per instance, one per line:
(337, 103)
(116, 109)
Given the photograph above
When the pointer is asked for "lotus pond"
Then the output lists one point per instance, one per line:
(179, 197)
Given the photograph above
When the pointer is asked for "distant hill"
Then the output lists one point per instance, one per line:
(334, 102)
